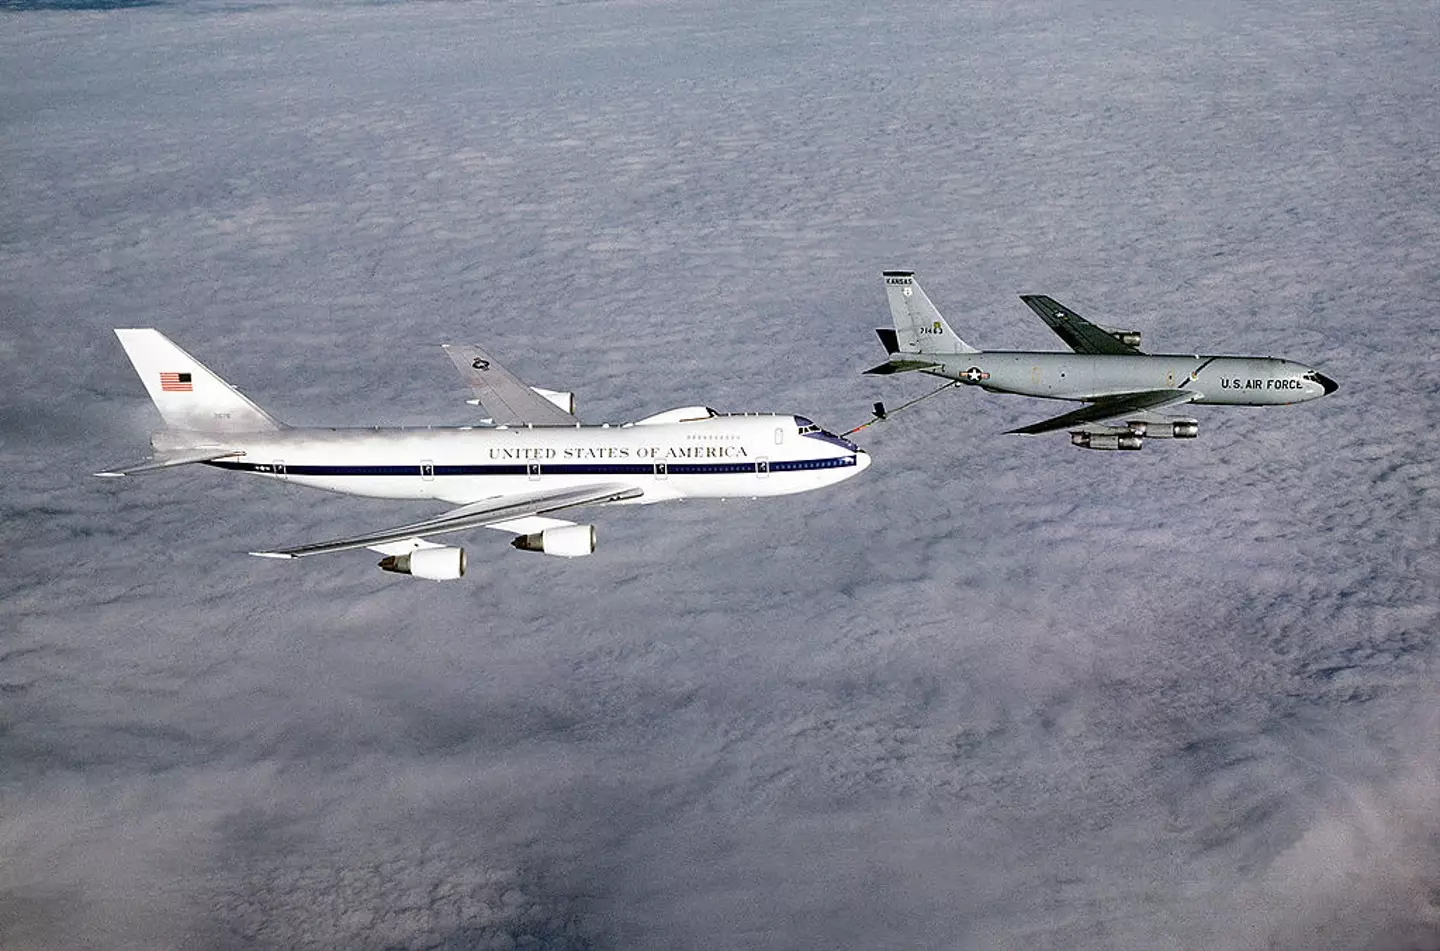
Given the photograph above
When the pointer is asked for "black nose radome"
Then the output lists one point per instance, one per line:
(1330, 385)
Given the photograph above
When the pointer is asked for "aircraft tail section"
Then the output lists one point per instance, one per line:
(919, 328)
(186, 392)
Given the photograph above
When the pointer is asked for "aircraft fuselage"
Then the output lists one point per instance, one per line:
(1237, 381)
(734, 456)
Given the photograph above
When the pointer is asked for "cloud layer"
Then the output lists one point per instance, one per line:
(994, 693)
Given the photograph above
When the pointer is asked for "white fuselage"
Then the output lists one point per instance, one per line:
(1237, 381)
(718, 456)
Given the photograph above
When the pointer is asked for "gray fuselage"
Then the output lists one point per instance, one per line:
(1237, 381)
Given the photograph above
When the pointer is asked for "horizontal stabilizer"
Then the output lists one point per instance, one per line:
(168, 461)
(902, 366)
(1110, 407)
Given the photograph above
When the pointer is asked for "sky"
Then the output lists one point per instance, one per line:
(996, 692)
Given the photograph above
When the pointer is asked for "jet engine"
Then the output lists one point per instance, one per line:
(567, 541)
(1130, 338)
(432, 564)
(1180, 428)
(1088, 440)
(565, 401)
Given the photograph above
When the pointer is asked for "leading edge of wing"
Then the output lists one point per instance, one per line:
(1109, 407)
(474, 515)
(503, 394)
(1078, 333)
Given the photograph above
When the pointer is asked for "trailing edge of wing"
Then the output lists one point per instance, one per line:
(504, 395)
(1078, 333)
(167, 461)
(475, 515)
(1109, 407)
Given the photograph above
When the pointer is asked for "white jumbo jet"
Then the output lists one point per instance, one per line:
(531, 459)
(1125, 386)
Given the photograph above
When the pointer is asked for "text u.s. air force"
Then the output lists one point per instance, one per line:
(1234, 383)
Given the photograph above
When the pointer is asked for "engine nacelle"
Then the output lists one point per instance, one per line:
(1169, 429)
(1106, 441)
(1130, 338)
(567, 541)
(560, 398)
(432, 564)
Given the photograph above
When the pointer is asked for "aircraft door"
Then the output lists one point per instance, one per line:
(662, 471)
(533, 471)
(278, 467)
(427, 470)
(762, 468)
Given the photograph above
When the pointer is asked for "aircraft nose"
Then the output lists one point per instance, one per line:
(1328, 384)
(862, 461)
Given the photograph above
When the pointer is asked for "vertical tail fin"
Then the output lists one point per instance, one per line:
(919, 328)
(186, 392)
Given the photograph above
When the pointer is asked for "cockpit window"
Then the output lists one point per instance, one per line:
(806, 427)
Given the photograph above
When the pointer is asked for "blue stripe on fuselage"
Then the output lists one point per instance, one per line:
(671, 468)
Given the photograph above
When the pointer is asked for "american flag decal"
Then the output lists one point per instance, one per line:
(175, 383)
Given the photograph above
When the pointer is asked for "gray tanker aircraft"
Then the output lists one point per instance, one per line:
(532, 458)
(1124, 386)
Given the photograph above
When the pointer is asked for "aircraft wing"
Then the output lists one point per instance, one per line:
(1078, 333)
(1110, 407)
(486, 512)
(505, 397)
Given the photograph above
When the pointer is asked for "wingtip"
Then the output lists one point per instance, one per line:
(272, 554)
